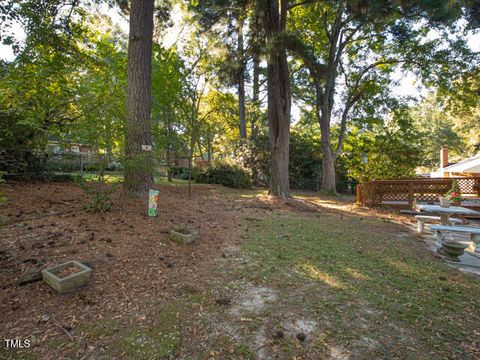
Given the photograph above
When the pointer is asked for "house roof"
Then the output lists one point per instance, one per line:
(471, 165)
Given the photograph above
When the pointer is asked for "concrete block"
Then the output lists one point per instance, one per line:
(68, 283)
(183, 238)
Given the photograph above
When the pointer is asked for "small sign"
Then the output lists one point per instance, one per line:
(153, 202)
(146, 147)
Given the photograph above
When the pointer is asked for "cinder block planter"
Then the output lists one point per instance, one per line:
(78, 277)
(183, 236)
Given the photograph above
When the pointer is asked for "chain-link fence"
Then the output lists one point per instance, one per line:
(55, 165)
(21, 164)
(343, 186)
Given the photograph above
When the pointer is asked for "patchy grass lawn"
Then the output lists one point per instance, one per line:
(313, 278)
(372, 289)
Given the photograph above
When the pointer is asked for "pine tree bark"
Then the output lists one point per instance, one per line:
(138, 163)
(241, 81)
(256, 109)
(279, 97)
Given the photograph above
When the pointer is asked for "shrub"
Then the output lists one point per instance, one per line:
(455, 194)
(115, 166)
(100, 194)
(225, 172)
(61, 177)
(179, 172)
(92, 167)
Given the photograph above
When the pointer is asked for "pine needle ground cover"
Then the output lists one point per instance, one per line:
(310, 278)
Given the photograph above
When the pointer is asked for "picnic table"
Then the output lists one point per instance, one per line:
(446, 212)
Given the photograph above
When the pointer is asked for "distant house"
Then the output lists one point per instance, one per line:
(78, 148)
(184, 162)
(465, 168)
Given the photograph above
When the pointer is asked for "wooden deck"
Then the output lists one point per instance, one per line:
(403, 193)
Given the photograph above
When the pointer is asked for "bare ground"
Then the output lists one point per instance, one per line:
(221, 297)
(136, 266)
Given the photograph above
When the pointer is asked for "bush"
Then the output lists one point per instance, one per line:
(115, 166)
(59, 162)
(228, 173)
(92, 167)
(61, 177)
(99, 193)
(179, 172)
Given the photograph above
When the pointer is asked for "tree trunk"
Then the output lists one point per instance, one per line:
(325, 98)
(328, 169)
(329, 157)
(169, 145)
(190, 161)
(209, 146)
(199, 145)
(241, 82)
(279, 98)
(256, 97)
(256, 110)
(138, 163)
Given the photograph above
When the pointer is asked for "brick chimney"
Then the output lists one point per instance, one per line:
(443, 157)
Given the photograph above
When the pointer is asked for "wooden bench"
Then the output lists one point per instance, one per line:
(474, 233)
(423, 218)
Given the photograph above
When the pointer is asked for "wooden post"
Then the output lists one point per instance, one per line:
(370, 193)
(359, 190)
(410, 194)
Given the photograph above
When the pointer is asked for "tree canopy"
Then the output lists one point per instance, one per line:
(228, 85)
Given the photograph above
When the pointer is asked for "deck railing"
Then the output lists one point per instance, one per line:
(393, 191)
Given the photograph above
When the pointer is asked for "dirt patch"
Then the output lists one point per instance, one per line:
(254, 299)
(339, 353)
(304, 326)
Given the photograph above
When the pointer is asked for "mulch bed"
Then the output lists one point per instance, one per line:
(134, 262)
(67, 271)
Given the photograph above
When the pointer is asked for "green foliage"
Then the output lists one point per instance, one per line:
(100, 90)
(305, 157)
(454, 194)
(305, 166)
(168, 97)
(37, 89)
(344, 69)
(437, 128)
(450, 118)
(74, 93)
(180, 172)
(67, 84)
(100, 194)
(226, 172)
(392, 148)
(60, 177)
